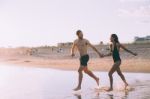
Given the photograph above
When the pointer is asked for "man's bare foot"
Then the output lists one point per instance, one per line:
(110, 89)
(97, 81)
(76, 89)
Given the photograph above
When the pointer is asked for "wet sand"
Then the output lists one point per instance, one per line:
(39, 83)
(95, 64)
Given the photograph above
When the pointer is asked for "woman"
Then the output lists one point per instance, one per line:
(115, 48)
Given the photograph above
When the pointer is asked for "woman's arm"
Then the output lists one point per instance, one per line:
(123, 47)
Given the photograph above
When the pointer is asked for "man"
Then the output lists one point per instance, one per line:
(82, 45)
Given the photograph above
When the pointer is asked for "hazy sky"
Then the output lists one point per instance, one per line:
(47, 22)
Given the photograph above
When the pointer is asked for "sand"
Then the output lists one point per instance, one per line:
(45, 57)
(131, 65)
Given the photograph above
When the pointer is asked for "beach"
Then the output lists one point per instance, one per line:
(53, 57)
(40, 73)
(74, 49)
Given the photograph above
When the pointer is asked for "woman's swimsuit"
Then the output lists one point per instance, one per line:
(115, 54)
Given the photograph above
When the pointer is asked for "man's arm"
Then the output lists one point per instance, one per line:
(72, 49)
(101, 55)
(123, 47)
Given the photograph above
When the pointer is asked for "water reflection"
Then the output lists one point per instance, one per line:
(111, 96)
(104, 95)
(38, 83)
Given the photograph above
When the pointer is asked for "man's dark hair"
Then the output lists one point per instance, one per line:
(78, 31)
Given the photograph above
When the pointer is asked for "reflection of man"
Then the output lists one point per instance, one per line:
(78, 96)
(82, 45)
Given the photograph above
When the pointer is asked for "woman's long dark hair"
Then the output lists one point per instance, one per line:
(115, 38)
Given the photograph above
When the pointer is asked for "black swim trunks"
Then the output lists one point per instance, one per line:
(84, 60)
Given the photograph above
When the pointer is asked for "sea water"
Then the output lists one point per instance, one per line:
(17, 82)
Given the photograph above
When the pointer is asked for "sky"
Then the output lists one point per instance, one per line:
(48, 22)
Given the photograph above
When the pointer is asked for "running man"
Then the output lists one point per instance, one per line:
(115, 48)
(82, 46)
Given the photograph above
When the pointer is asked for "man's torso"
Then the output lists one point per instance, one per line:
(82, 46)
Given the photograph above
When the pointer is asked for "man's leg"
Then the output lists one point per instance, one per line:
(79, 78)
(87, 71)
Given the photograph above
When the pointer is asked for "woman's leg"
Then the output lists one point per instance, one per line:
(122, 76)
(112, 70)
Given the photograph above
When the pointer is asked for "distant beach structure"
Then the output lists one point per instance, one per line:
(142, 39)
(67, 44)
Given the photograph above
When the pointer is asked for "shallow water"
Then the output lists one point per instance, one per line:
(38, 83)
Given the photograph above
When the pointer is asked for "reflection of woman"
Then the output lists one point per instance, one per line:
(115, 47)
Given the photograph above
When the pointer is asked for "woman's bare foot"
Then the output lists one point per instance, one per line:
(76, 89)
(110, 89)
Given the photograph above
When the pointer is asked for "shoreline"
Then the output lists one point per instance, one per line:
(95, 64)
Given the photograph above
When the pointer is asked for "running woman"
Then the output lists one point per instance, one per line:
(115, 48)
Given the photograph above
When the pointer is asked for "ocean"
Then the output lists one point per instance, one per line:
(20, 82)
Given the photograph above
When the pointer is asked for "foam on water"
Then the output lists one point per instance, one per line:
(37, 83)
